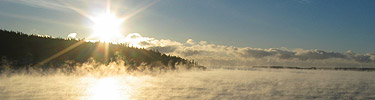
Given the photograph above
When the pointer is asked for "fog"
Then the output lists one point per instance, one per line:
(212, 84)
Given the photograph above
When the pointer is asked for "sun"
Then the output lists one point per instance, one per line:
(107, 27)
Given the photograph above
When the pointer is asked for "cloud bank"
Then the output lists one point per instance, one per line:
(72, 35)
(220, 55)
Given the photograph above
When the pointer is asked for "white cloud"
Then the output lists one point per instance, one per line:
(212, 54)
(72, 36)
(190, 41)
(137, 40)
(203, 42)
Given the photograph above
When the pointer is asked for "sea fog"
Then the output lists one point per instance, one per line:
(212, 84)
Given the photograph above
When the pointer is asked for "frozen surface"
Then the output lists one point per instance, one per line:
(204, 85)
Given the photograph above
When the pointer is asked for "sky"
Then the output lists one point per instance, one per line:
(340, 28)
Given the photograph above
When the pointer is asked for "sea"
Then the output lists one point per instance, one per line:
(211, 84)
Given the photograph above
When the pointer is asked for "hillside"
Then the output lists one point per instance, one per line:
(19, 50)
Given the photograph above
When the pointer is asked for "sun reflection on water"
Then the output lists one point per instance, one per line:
(109, 88)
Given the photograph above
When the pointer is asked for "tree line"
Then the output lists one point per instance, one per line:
(19, 50)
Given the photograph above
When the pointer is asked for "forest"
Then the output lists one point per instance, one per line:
(21, 50)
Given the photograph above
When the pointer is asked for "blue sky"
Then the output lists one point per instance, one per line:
(330, 25)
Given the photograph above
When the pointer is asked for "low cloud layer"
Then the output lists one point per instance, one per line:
(72, 36)
(221, 55)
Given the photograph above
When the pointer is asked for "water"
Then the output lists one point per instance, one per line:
(204, 85)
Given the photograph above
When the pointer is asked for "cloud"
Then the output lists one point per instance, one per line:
(220, 55)
(203, 42)
(318, 54)
(187, 52)
(137, 40)
(366, 58)
(255, 52)
(165, 49)
(212, 54)
(190, 41)
(72, 36)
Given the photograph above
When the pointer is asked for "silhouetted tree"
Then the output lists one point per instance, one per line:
(23, 49)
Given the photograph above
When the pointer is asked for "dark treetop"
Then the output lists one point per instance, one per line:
(19, 50)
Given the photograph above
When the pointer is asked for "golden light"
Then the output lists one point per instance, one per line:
(107, 27)
(134, 40)
(109, 88)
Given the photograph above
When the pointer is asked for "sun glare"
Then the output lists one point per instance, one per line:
(109, 88)
(107, 27)
(134, 40)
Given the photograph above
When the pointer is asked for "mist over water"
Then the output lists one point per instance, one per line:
(212, 84)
